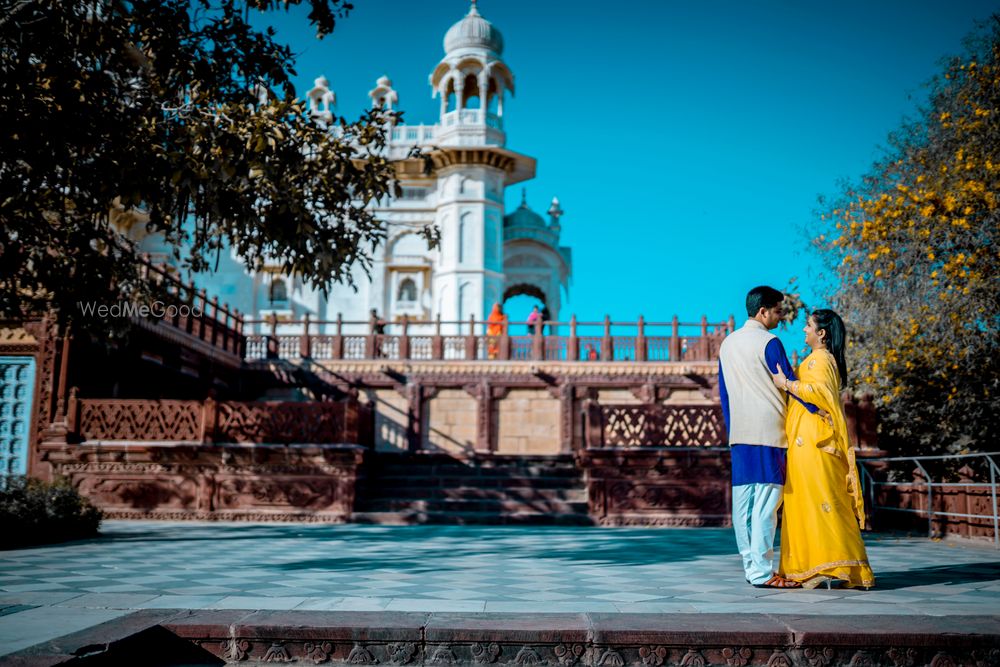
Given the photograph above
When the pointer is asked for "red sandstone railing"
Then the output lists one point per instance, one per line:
(653, 425)
(469, 340)
(210, 421)
(192, 312)
(658, 425)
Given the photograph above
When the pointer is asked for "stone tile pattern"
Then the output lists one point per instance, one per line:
(145, 564)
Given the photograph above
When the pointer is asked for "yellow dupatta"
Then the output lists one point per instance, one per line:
(819, 384)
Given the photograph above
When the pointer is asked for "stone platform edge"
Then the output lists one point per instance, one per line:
(165, 637)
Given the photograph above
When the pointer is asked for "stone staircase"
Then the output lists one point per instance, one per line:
(434, 488)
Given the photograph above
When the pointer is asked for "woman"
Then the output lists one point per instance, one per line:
(534, 320)
(494, 329)
(823, 507)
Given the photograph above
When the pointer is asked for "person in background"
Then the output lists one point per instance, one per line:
(494, 329)
(378, 329)
(534, 320)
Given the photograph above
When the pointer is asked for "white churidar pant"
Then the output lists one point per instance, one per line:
(755, 520)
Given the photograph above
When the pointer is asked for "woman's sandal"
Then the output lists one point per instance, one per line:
(777, 581)
(818, 580)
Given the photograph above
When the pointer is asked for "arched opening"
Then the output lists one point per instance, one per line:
(520, 300)
(492, 98)
(407, 291)
(470, 92)
(278, 292)
(526, 290)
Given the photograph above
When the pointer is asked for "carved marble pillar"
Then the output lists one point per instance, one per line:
(484, 88)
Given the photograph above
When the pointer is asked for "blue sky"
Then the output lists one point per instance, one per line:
(686, 141)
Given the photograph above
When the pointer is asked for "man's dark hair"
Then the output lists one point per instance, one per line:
(762, 296)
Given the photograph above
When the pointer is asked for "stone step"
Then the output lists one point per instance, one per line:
(240, 636)
(481, 459)
(461, 506)
(460, 470)
(411, 517)
(575, 494)
(410, 481)
(432, 488)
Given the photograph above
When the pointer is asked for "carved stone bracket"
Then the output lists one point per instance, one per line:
(499, 393)
(707, 389)
(646, 392)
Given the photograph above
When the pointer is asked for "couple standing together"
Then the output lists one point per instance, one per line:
(789, 444)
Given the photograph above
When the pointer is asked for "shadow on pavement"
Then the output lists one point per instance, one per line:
(967, 573)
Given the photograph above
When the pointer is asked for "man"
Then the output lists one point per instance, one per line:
(754, 411)
(378, 329)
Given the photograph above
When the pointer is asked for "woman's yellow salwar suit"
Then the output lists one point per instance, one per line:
(823, 507)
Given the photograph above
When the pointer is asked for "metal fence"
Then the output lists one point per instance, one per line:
(948, 505)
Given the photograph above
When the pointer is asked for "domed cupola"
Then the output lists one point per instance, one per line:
(533, 260)
(472, 76)
(524, 216)
(473, 32)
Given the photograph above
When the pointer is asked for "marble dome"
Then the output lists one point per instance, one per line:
(473, 32)
(524, 217)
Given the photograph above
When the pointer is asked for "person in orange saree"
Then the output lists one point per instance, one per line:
(494, 329)
(823, 506)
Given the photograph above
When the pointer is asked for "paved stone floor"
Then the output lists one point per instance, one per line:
(52, 590)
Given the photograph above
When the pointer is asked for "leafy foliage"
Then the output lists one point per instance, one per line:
(914, 248)
(793, 305)
(113, 104)
(37, 512)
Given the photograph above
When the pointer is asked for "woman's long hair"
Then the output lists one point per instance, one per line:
(835, 339)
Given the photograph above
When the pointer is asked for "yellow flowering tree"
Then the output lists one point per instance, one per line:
(914, 251)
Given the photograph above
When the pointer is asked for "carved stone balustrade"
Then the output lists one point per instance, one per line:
(654, 464)
(471, 340)
(170, 459)
(654, 425)
(251, 422)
